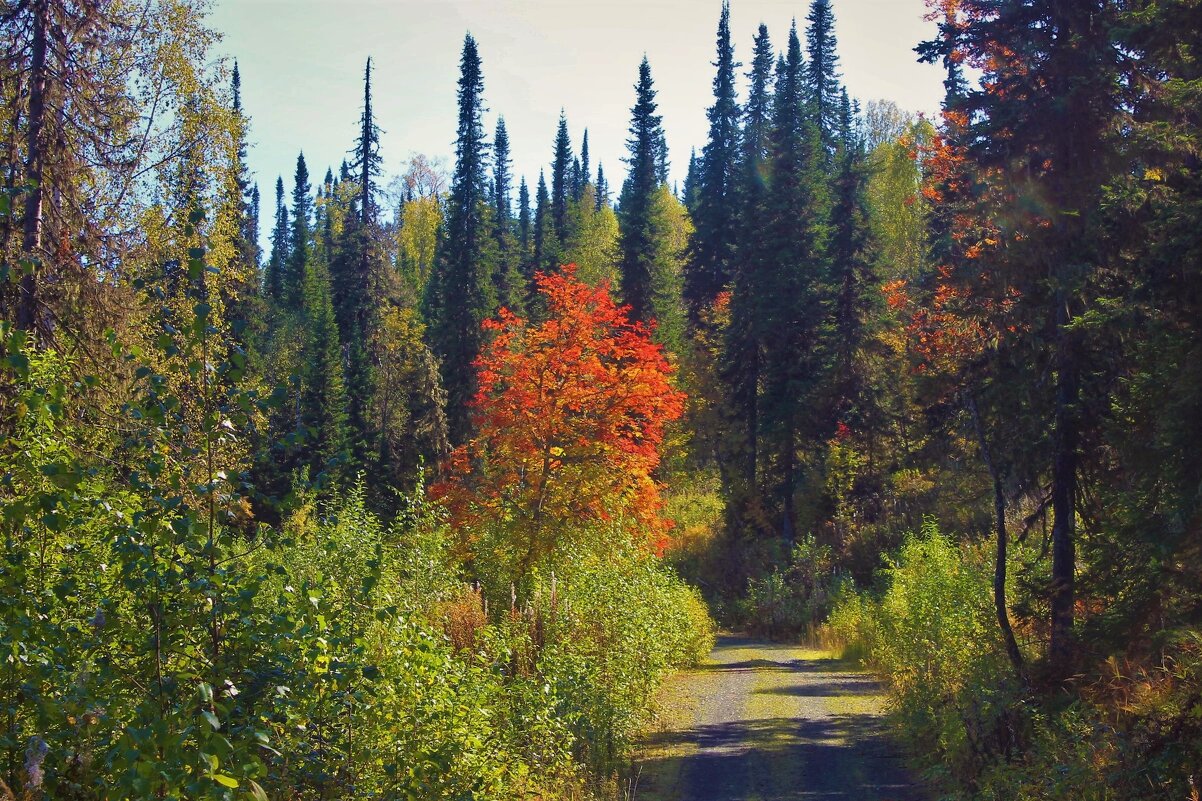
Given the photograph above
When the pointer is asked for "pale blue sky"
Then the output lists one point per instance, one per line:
(302, 66)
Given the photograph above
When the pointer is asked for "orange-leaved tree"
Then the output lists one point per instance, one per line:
(569, 417)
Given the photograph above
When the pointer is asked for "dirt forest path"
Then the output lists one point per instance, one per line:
(770, 722)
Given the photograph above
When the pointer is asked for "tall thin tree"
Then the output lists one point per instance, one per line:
(712, 246)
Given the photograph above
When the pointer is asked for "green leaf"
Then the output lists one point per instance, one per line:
(212, 719)
(256, 791)
(225, 781)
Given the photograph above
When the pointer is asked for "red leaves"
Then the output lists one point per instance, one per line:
(570, 415)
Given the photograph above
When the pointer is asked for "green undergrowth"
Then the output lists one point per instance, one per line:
(162, 645)
(1129, 730)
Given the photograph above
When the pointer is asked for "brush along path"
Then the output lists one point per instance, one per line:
(769, 722)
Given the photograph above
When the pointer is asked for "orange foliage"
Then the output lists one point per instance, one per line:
(969, 306)
(569, 416)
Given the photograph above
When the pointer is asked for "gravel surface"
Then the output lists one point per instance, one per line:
(770, 722)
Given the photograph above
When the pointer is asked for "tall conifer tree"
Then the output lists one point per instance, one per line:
(507, 279)
(277, 263)
(561, 165)
(795, 277)
(247, 241)
(585, 174)
(546, 244)
(299, 245)
(367, 161)
(643, 178)
(602, 188)
(1044, 121)
(462, 290)
(715, 215)
(692, 181)
(822, 71)
(853, 281)
(353, 266)
(525, 231)
(745, 335)
(323, 398)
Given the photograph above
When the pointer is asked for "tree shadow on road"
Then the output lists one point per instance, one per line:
(778, 759)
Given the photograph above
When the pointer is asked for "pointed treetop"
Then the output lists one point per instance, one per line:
(560, 176)
(584, 165)
(367, 161)
(301, 188)
(646, 143)
(237, 88)
(502, 176)
(822, 75)
(602, 189)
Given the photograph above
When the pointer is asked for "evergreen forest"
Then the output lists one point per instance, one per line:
(385, 480)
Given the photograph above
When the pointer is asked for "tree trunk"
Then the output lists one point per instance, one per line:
(999, 565)
(1064, 492)
(31, 240)
(788, 468)
(753, 423)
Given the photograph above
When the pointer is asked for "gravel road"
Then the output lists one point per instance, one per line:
(769, 722)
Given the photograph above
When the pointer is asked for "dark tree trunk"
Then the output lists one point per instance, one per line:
(753, 420)
(999, 565)
(788, 482)
(31, 240)
(1064, 492)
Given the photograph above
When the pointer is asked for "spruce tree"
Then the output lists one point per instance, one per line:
(714, 212)
(643, 178)
(585, 174)
(662, 164)
(355, 261)
(525, 232)
(462, 291)
(299, 255)
(743, 352)
(602, 188)
(348, 262)
(502, 180)
(822, 70)
(277, 264)
(367, 160)
(577, 183)
(795, 278)
(508, 282)
(692, 178)
(1043, 120)
(546, 244)
(247, 240)
(853, 280)
(256, 221)
(323, 399)
(560, 176)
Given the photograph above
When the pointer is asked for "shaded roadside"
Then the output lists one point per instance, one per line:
(771, 722)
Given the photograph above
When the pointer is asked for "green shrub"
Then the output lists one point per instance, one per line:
(163, 646)
(1131, 733)
(398, 694)
(618, 626)
(792, 601)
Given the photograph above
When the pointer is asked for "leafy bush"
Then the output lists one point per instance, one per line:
(792, 601)
(932, 633)
(165, 650)
(621, 623)
(448, 698)
(1131, 734)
